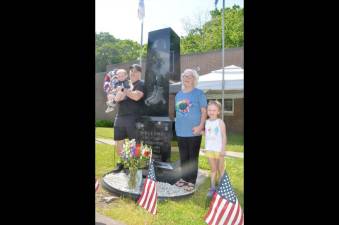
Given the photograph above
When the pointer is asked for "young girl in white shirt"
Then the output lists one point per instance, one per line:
(215, 143)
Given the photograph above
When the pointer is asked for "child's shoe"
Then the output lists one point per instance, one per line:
(109, 109)
(210, 192)
(110, 103)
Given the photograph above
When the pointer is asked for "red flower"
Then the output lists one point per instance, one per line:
(137, 150)
(146, 153)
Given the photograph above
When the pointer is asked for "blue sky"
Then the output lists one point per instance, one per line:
(120, 17)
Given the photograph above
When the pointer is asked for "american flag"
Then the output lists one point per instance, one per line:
(149, 195)
(96, 185)
(225, 207)
(215, 3)
(141, 10)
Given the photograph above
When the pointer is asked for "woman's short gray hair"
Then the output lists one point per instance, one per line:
(192, 72)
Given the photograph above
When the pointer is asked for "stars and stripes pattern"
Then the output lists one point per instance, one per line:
(96, 185)
(149, 195)
(225, 207)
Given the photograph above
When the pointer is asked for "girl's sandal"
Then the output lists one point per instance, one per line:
(188, 188)
(180, 183)
(189, 184)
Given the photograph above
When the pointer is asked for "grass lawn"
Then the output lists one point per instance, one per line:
(235, 141)
(104, 132)
(190, 210)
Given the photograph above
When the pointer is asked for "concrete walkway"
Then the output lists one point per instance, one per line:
(228, 153)
(104, 220)
(104, 141)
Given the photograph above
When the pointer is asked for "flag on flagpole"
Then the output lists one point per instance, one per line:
(141, 10)
(96, 185)
(215, 3)
(225, 207)
(149, 195)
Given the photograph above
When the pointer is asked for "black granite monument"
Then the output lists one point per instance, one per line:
(162, 68)
(156, 127)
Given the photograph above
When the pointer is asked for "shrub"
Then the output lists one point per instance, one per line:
(103, 123)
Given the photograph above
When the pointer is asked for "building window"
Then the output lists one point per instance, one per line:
(228, 106)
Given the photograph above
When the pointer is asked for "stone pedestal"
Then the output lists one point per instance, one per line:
(157, 132)
(117, 183)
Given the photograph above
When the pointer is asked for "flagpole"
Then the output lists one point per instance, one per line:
(141, 15)
(223, 53)
(142, 29)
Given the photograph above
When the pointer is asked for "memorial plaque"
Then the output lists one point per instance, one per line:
(158, 134)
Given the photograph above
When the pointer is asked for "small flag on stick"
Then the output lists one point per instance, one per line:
(149, 195)
(225, 207)
(96, 185)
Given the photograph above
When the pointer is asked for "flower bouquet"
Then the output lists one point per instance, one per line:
(135, 156)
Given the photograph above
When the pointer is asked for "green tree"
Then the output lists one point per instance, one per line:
(201, 37)
(104, 55)
(104, 37)
(127, 50)
(109, 50)
(209, 36)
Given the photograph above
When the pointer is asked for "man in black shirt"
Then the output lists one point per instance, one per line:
(130, 107)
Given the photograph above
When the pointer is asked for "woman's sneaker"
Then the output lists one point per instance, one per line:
(210, 192)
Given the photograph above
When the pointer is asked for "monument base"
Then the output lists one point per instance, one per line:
(118, 183)
(167, 172)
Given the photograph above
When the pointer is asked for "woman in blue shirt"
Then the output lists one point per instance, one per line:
(190, 105)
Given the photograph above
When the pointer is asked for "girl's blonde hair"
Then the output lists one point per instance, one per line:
(217, 104)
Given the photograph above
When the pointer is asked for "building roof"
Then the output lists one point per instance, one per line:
(233, 79)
